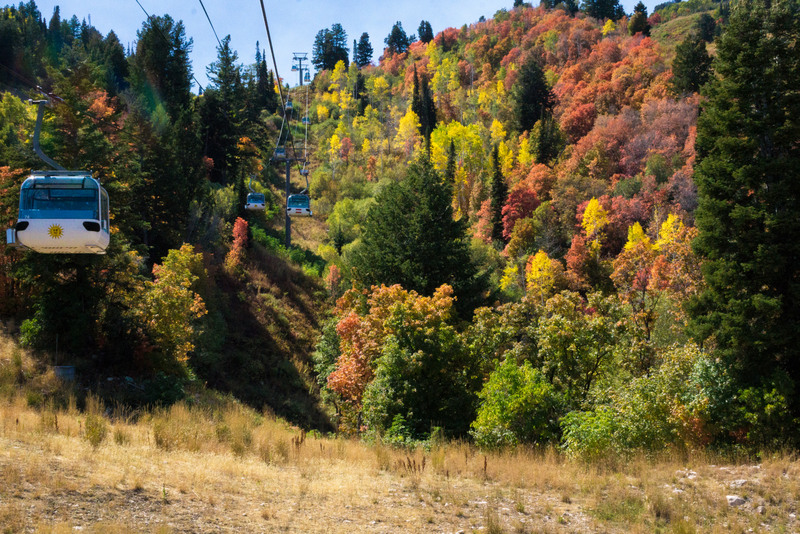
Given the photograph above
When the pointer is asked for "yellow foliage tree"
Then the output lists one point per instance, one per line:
(171, 306)
(497, 131)
(543, 275)
(335, 147)
(636, 235)
(524, 157)
(595, 218)
(408, 132)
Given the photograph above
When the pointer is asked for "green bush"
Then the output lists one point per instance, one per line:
(517, 406)
(648, 413)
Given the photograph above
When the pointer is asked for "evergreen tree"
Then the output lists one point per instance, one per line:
(363, 51)
(691, 67)
(547, 140)
(166, 168)
(161, 70)
(115, 63)
(499, 195)
(397, 41)
(638, 22)
(262, 89)
(409, 237)
(330, 47)
(422, 104)
(450, 169)
(221, 113)
(706, 27)
(571, 6)
(603, 9)
(531, 96)
(425, 32)
(749, 197)
(428, 109)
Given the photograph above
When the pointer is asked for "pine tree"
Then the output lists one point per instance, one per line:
(221, 113)
(425, 32)
(499, 195)
(330, 47)
(691, 67)
(410, 238)
(748, 190)
(603, 9)
(638, 22)
(397, 41)
(531, 95)
(161, 70)
(450, 169)
(547, 140)
(363, 51)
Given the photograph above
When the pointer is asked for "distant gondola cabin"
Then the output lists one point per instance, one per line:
(63, 212)
(255, 201)
(298, 206)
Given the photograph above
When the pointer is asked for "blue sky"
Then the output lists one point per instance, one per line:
(293, 23)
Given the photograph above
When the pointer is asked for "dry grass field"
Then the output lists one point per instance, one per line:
(215, 466)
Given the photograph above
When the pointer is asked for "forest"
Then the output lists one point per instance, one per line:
(560, 226)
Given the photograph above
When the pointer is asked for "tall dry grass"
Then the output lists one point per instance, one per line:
(222, 456)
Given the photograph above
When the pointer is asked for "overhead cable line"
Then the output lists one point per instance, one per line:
(272, 51)
(211, 23)
(199, 85)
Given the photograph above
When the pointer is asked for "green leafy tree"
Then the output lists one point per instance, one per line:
(748, 191)
(576, 340)
(517, 405)
(691, 67)
(422, 373)
(172, 307)
(410, 238)
(531, 96)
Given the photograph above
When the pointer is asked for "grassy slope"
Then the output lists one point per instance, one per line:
(670, 34)
(270, 320)
(216, 465)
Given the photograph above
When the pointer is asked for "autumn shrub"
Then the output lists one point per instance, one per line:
(517, 405)
(172, 307)
(234, 260)
(648, 413)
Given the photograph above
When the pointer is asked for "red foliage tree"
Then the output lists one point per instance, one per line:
(520, 204)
